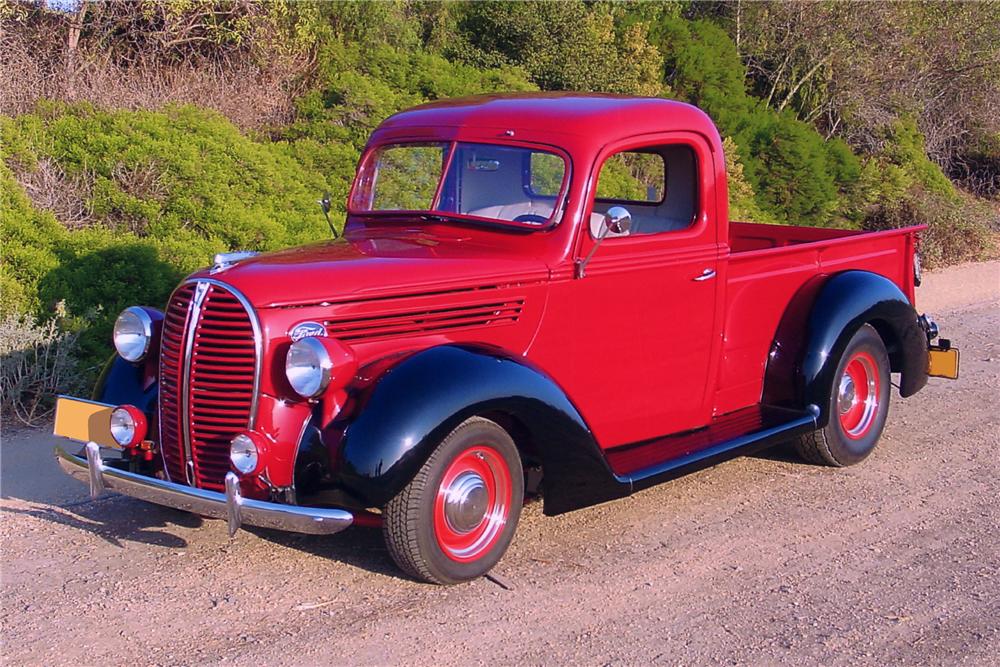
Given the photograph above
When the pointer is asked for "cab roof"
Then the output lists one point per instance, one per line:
(600, 117)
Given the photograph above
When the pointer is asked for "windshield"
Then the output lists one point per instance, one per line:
(462, 180)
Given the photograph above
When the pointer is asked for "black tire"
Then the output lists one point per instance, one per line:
(418, 526)
(851, 435)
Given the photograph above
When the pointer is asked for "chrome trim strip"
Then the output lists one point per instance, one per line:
(311, 520)
(194, 318)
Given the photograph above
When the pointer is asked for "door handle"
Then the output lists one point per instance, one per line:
(705, 275)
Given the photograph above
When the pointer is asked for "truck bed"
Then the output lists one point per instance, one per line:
(767, 265)
(750, 236)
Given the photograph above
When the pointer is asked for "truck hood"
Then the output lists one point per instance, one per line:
(373, 266)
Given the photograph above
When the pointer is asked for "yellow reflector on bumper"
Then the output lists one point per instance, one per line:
(85, 421)
(943, 363)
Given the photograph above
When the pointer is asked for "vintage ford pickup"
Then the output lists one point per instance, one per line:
(534, 295)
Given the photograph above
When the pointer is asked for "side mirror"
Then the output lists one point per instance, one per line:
(618, 220)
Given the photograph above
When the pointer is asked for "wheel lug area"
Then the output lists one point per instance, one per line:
(465, 502)
(846, 394)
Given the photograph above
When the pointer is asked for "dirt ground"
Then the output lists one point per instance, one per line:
(760, 560)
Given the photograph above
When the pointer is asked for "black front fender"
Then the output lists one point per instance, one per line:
(125, 383)
(418, 402)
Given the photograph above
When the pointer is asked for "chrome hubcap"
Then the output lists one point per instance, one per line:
(848, 392)
(465, 502)
(858, 395)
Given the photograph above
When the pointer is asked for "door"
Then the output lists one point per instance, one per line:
(644, 310)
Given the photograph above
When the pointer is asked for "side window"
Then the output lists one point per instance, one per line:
(657, 184)
(634, 177)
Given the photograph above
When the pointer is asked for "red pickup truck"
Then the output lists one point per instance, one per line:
(535, 295)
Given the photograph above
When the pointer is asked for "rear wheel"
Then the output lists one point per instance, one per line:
(456, 518)
(859, 404)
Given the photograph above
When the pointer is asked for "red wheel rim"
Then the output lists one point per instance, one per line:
(472, 505)
(858, 395)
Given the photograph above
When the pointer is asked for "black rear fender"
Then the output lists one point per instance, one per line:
(818, 324)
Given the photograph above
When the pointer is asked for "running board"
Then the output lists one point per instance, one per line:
(739, 433)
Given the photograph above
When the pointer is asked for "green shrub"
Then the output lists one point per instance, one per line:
(357, 86)
(911, 190)
(797, 176)
(959, 228)
(168, 190)
(37, 362)
(27, 252)
(569, 45)
(742, 200)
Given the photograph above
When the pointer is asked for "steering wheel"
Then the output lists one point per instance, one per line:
(530, 217)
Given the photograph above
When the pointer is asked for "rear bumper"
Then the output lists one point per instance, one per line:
(230, 505)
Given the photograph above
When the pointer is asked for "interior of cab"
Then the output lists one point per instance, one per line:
(657, 185)
(499, 182)
(503, 183)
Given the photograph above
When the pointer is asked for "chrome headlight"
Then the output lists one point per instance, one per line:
(245, 453)
(132, 333)
(308, 367)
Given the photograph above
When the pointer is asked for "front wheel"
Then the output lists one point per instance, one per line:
(859, 404)
(456, 518)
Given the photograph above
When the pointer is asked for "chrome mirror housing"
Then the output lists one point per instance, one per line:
(618, 220)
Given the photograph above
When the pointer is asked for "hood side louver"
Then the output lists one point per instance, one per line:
(413, 322)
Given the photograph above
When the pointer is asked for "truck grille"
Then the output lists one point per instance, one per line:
(208, 372)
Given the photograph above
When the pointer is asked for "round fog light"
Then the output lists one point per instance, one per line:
(246, 453)
(128, 425)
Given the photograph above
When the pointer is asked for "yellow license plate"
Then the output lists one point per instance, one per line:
(943, 363)
(85, 421)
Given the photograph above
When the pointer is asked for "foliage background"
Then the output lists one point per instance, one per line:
(137, 138)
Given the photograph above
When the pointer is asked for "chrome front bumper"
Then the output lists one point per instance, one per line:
(229, 505)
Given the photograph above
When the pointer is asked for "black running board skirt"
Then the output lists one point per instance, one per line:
(738, 433)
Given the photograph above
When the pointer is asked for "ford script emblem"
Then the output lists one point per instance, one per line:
(307, 330)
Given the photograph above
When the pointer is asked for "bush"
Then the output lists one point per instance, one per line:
(37, 361)
(570, 45)
(164, 191)
(959, 228)
(357, 87)
(742, 200)
(912, 190)
(798, 177)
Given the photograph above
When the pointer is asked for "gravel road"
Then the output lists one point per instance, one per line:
(760, 560)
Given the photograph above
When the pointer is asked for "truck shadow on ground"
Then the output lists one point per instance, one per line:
(117, 519)
(781, 453)
(358, 546)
